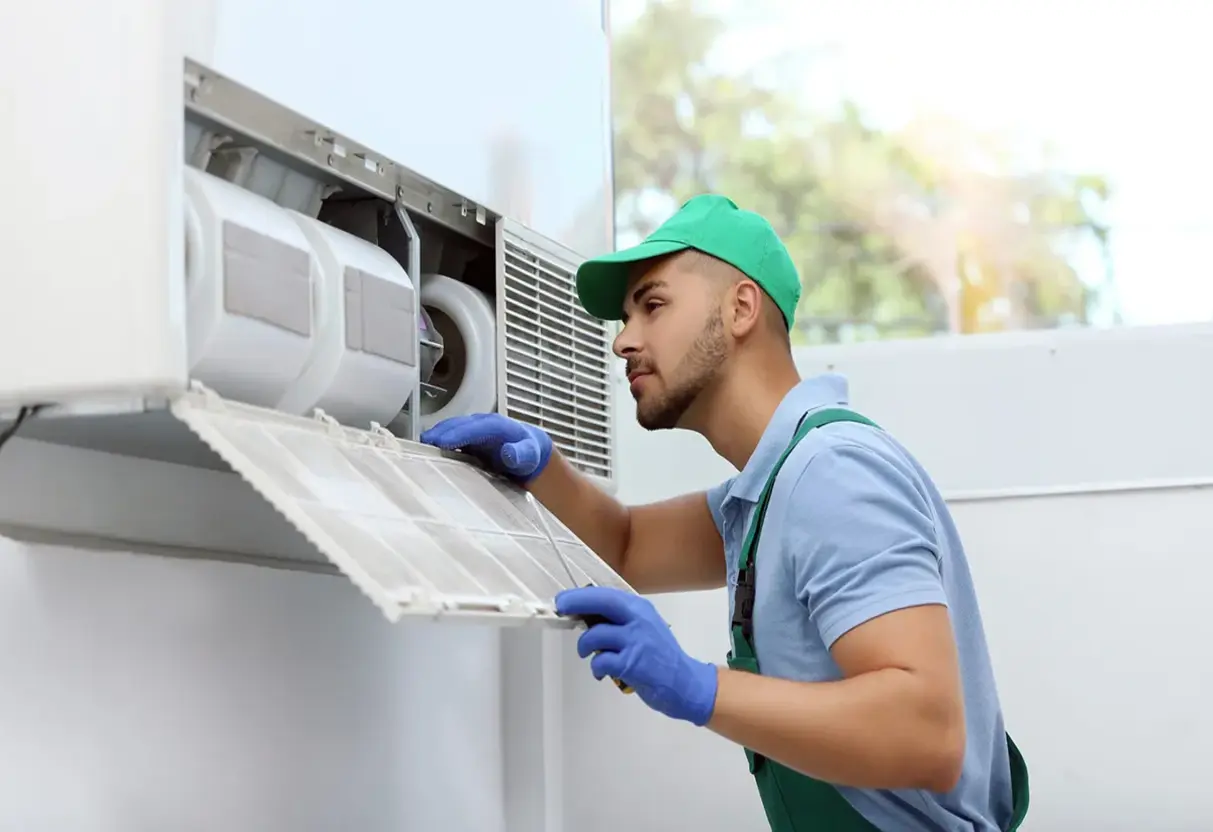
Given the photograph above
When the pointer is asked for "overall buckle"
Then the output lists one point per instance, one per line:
(743, 603)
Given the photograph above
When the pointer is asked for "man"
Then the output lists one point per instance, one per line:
(859, 682)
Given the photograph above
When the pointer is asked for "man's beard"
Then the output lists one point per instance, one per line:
(691, 377)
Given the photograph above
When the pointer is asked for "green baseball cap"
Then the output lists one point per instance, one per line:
(708, 223)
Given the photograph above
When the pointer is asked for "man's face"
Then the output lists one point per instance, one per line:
(673, 341)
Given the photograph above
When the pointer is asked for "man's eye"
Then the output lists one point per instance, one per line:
(652, 305)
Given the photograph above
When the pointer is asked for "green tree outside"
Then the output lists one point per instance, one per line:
(929, 229)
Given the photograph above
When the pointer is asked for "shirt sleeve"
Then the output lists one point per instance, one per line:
(716, 495)
(860, 539)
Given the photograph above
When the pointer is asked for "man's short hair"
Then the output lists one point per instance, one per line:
(727, 275)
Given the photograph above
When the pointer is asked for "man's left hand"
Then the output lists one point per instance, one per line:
(637, 647)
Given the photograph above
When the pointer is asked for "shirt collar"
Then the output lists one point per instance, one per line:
(826, 390)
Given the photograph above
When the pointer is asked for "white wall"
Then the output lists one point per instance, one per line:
(1097, 612)
(143, 692)
(1093, 600)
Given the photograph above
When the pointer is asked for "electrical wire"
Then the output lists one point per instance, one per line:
(26, 412)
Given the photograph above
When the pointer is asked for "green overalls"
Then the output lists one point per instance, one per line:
(794, 802)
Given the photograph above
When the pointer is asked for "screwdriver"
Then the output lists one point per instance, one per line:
(590, 620)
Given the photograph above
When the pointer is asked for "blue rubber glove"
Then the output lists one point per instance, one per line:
(638, 648)
(509, 447)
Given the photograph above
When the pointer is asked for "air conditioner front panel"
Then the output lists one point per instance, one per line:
(418, 531)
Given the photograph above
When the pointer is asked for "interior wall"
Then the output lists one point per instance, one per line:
(144, 693)
(1085, 514)
(1096, 608)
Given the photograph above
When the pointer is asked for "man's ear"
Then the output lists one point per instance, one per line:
(747, 308)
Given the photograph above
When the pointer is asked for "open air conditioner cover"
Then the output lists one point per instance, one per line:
(419, 531)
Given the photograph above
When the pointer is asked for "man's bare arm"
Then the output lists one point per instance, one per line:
(895, 722)
(668, 546)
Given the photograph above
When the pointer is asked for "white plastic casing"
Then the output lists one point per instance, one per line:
(250, 281)
(92, 300)
(417, 531)
(468, 371)
(365, 363)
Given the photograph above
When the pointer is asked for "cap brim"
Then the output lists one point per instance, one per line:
(603, 281)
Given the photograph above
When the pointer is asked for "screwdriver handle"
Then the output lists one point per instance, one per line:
(590, 621)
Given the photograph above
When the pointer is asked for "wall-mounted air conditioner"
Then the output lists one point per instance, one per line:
(237, 289)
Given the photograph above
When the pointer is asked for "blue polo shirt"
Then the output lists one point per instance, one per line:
(855, 529)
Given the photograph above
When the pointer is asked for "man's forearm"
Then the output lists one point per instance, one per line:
(596, 517)
(875, 730)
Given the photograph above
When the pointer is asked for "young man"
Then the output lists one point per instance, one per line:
(859, 682)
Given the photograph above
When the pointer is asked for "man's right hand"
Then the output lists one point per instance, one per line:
(515, 449)
(668, 546)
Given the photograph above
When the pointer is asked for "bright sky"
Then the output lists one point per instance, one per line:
(1115, 86)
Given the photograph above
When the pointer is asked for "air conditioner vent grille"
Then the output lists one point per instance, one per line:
(557, 358)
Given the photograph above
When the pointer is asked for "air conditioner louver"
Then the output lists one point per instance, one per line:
(556, 356)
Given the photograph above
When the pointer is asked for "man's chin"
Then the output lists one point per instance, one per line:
(654, 421)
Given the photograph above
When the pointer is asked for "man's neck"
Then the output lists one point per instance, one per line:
(740, 409)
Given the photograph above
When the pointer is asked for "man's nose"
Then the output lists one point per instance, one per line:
(627, 341)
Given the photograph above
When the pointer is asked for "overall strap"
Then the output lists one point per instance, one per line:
(744, 594)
